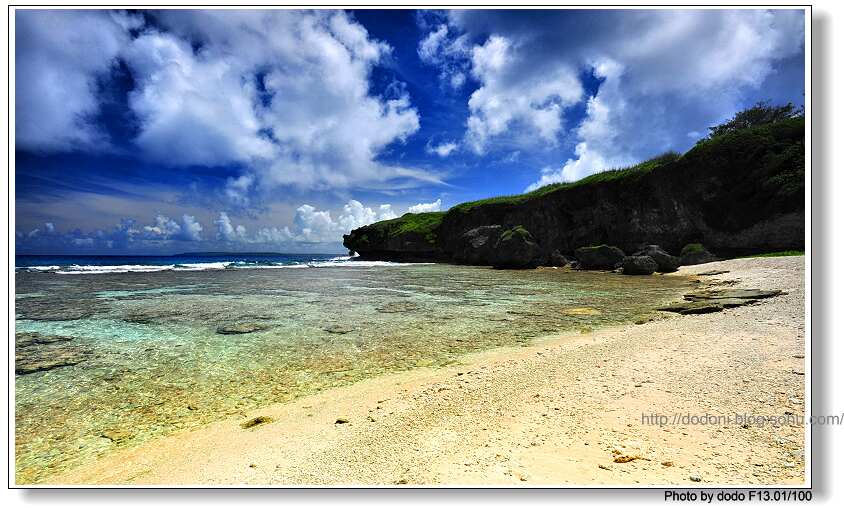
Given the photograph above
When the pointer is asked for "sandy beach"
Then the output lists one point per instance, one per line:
(575, 409)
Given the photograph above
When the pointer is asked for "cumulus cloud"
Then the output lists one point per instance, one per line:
(59, 58)
(663, 73)
(510, 97)
(436, 206)
(284, 95)
(299, 108)
(443, 149)
(228, 232)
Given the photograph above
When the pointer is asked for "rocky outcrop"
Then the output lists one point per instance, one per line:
(516, 248)
(741, 193)
(638, 265)
(665, 262)
(696, 254)
(599, 257)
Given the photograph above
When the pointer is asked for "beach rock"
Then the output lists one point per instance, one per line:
(638, 265)
(341, 420)
(516, 248)
(117, 436)
(665, 262)
(35, 353)
(706, 306)
(241, 328)
(731, 294)
(696, 254)
(695, 477)
(339, 329)
(253, 422)
(599, 257)
(27, 339)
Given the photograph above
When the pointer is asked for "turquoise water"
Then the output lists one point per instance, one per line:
(154, 360)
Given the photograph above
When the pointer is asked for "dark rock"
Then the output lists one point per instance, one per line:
(716, 300)
(477, 245)
(339, 329)
(706, 306)
(27, 339)
(558, 259)
(638, 265)
(731, 294)
(241, 328)
(599, 257)
(35, 352)
(341, 420)
(665, 262)
(696, 254)
(253, 422)
(516, 248)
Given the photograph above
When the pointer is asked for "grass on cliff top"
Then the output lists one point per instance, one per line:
(605, 176)
(423, 224)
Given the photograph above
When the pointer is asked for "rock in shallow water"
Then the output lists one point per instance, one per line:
(665, 261)
(638, 265)
(599, 257)
(240, 328)
(35, 352)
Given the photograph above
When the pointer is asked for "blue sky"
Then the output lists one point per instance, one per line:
(156, 132)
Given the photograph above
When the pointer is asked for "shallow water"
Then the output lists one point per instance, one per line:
(156, 363)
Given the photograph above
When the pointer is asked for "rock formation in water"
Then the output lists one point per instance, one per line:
(739, 193)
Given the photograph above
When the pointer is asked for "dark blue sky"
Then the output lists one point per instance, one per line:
(160, 132)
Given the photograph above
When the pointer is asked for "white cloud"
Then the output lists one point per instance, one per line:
(443, 149)
(283, 94)
(191, 229)
(226, 231)
(512, 97)
(436, 206)
(299, 108)
(164, 227)
(447, 50)
(665, 73)
(59, 57)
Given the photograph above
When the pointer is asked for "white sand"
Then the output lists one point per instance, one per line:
(553, 413)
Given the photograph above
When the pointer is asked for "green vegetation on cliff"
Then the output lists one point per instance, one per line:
(422, 224)
(634, 171)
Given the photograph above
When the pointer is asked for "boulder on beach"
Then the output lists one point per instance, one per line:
(556, 258)
(665, 262)
(696, 254)
(599, 257)
(638, 265)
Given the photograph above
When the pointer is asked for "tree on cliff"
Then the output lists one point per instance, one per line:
(759, 114)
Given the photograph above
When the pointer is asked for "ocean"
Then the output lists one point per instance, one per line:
(111, 352)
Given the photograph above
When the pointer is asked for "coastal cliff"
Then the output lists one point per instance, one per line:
(738, 193)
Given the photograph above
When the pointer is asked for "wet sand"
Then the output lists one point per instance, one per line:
(576, 409)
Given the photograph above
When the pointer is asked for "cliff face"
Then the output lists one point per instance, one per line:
(737, 194)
